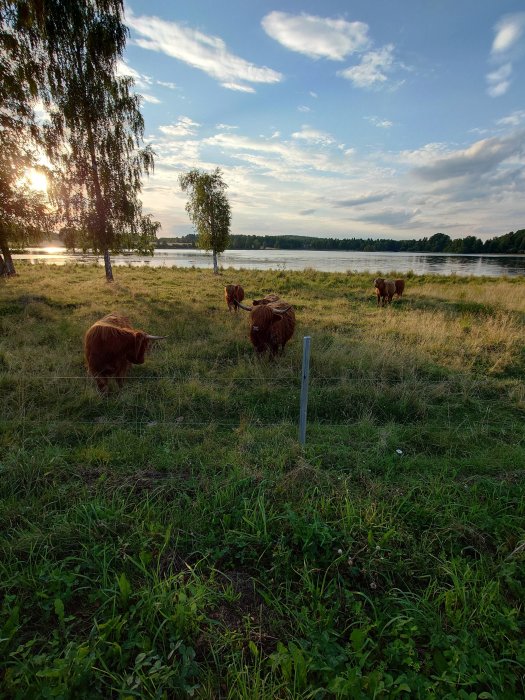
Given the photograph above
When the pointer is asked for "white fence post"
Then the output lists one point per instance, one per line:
(304, 389)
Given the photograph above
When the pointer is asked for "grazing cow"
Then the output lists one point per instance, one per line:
(400, 287)
(385, 290)
(272, 324)
(111, 346)
(232, 294)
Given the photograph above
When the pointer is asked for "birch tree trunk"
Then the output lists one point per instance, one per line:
(215, 264)
(7, 266)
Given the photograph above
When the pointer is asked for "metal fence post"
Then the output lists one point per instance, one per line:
(304, 389)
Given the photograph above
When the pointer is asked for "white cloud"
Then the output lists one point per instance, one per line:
(392, 217)
(304, 108)
(508, 32)
(313, 136)
(238, 87)
(514, 119)
(126, 71)
(499, 80)
(202, 51)
(141, 80)
(480, 158)
(419, 157)
(380, 123)
(362, 200)
(505, 46)
(225, 127)
(317, 37)
(150, 98)
(184, 127)
(373, 69)
(167, 84)
(498, 89)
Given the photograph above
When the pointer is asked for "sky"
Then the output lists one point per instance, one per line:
(372, 118)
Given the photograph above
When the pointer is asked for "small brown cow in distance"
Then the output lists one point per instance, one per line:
(232, 294)
(385, 290)
(111, 346)
(272, 323)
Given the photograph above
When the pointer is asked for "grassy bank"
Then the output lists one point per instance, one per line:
(172, 539)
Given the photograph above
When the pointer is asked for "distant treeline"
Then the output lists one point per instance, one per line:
(513, 243)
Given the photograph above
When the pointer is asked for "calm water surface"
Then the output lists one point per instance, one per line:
(419, 263)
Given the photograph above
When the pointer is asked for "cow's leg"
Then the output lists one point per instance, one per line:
(102, 384)
(121, 372)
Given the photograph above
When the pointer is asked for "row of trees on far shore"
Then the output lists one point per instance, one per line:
(510, 243)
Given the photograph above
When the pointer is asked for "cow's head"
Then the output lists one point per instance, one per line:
(138, 344)
(263, 317)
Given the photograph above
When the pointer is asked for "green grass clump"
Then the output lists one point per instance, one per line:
(173, 540)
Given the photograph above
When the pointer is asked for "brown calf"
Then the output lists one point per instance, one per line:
(233, 293)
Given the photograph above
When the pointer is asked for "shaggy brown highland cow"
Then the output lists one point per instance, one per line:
(385, 290)
(111, 346)
(272, 324)
(400, 287)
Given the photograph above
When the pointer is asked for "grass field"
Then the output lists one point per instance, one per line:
(173, 540)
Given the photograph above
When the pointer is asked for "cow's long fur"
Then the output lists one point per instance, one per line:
(268, 299)
(111, 346)
(385, 290)
(269, 329)
(233, 293)
(400, 287)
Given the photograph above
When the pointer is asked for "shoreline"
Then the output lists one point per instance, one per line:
(442, 264)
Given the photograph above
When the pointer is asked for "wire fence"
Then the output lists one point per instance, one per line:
(326, 380)
(268, 401)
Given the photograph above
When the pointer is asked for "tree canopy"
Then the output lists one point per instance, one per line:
(208, 209)
(24, 216)
(95, 131)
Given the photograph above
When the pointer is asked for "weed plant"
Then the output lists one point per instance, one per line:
(173, 540)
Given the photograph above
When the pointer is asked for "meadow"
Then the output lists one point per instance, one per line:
(174, 540)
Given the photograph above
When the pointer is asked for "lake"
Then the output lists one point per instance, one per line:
(328, 261)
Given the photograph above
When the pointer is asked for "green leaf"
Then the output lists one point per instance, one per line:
(59, 609)
(125, 588)
(358, 639)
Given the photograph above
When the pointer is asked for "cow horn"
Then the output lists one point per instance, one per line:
(281, 311)
(156, 337)
(246, 308)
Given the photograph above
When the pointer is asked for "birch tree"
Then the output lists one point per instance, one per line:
(24, 216)
(95, 132)
(208, 209)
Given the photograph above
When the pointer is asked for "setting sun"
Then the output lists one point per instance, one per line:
(37, 180)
